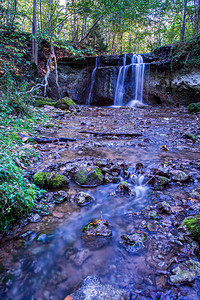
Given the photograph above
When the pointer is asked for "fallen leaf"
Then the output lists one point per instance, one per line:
(164, 147)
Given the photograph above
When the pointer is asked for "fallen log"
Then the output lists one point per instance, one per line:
(132, 134)
(44, 140)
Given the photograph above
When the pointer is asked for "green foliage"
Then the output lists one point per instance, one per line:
(14, 99)
(17, 118)
(194, 107)
(193, 225)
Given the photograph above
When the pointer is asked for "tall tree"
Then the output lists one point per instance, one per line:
(184, 21)
(34, 34)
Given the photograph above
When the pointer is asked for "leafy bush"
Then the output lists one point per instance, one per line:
(17, 118)
(17, 195)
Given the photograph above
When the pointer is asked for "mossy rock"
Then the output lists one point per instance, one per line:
(193, 225)
(40, 102)
(194, 107)
(91, 176)
(52, 181)
(65, 103)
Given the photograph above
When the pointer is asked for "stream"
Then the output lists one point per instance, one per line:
(48, 257)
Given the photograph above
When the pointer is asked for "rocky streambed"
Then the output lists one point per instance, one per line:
(120, 221)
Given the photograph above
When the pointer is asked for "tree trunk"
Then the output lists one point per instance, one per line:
(34, 32)
(184, 21)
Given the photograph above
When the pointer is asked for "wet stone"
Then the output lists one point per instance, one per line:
(80, 257)
(83, 198)
(124, 188)
(92, 289)
(60, 197)
(89, 177)
(164, 207)
(133, 242)
(35, 218)
(159, 182)
(178, 175)
(185, 272)
(97, 228)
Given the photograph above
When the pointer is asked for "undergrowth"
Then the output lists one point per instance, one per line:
(17, 120)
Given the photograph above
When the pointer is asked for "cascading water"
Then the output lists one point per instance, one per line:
(137, 74)
(97, 64)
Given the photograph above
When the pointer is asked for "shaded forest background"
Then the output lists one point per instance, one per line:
(105, 26)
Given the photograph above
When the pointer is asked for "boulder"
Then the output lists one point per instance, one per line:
(90, 176)
(65, 103)
(50, 180)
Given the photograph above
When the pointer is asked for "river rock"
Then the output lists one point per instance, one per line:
(97, 228)
(185, 272)
(124, 188)
(90, 176)
(133, 242)
(159, 182)
(164, 207)
(92, 289)
(178, 175)
(108, 178)
(82, 198)
(60, 197)
(64, 103)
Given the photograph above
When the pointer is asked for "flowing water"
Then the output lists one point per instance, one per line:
(97, 64)
(48, 259)
(137, 67)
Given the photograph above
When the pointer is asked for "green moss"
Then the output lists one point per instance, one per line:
(45, 179)
(41, 103)
(41, 178)
(58, 181)
(65, 103)
(194, 107)
(81, 176)
(124, 183)
(98, 173)
(193, 225)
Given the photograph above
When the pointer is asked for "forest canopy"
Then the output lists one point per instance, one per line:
(107, 26)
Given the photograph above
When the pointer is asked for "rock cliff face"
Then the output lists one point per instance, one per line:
(163, 83)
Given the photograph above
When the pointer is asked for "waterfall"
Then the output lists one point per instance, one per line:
(137, 77)
(97, 64)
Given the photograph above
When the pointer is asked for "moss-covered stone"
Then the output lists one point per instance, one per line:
(194, 107)
(40, 178)
(65, 103)
(124, 188)
(58, 181)
(91, 176)
(52, 181)
(193, 225)
(40, 102)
